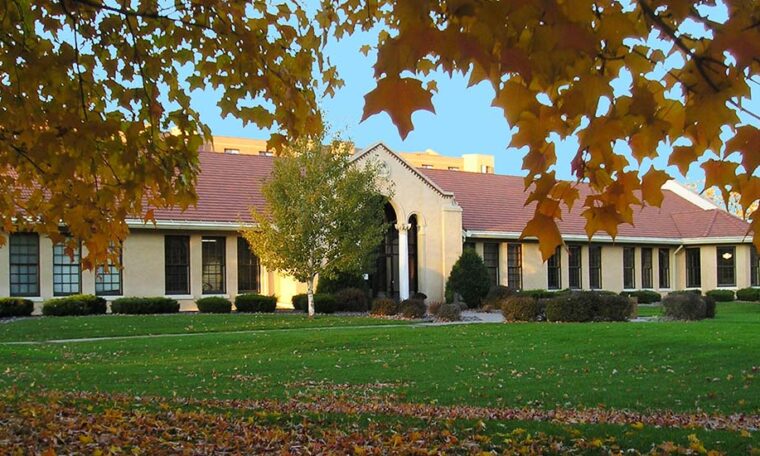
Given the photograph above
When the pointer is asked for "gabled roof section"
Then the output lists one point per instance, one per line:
(387, 150)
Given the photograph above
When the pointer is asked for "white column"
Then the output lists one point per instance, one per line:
(403, 260)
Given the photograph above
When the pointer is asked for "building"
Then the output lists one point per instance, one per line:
(434, 213)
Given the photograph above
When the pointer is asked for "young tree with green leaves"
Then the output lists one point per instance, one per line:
(324, 213)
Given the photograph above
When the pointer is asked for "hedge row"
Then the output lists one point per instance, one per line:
(15, 307)
(74, 305)
(644, 296)
(722, 295)
(408, 308)
(575, 306)
(748, 294)
(142, 306)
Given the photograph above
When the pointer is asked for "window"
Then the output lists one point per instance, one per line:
(575, 264)
(426, 166)
(646, 268)
(67, 271)
(629, 268)
(693, 269)
(266, 153)
(491, 259)
(726, 266)
(554, 266)
(25, 264)
(514, 266)
(664, 259)
(754, 267)
(453, 168)
(248, 268)
(229, 150)
(595, 267)
(177, 260)
(212, 270)
(108, 279)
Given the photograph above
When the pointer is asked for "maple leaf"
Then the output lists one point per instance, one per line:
(400, 98)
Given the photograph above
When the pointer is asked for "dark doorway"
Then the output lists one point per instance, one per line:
(384, 278)
(412, 240)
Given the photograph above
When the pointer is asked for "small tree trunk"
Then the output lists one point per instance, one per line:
(310, 295)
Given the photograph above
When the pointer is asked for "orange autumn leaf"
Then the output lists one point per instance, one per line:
(400, 98)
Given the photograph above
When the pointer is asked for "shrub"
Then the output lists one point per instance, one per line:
(300, 302)
(74, 305)
(709, 306)
(15, 307)
(384, 306)
(748, 294)
(449, 312)
(497, 295)
(324, 303)
(412, 308)
(141, 306)
(644, 296)
(214, 304)
(614, 307)
(538, 294)
(434, 307)
(722, 295)
(579, 306)
(351, 300)
(520, 308)
(417, 295)
(684, 306)
(469, 279)
(254, 302)
(341, 280)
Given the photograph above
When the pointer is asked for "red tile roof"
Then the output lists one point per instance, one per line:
(494, 202)
(229, 185)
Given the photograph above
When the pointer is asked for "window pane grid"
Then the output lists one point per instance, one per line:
(491, 260)
(24, 264)
(629, 268)
(212, 272)
(646, 268)
(595, 266)
(664, 259)
(67, 271)
(693, 269)
(108, 280)
(248, 268)
(575, 263)
(555, 270)
(177, 264)
(726, 266)
(514, 266)
(754, 268)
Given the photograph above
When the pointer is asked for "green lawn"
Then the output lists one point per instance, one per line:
(50, 328)
(708, 366)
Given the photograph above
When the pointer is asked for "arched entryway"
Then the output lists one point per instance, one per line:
(394, 272)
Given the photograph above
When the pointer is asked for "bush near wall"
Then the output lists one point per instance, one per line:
(540, 294)
(300, 302)
(748, 294)
(254, 302)
(583, 306)
(351, 300)
(384, 307)
(341, 280)
(684, 305)
(142, 306)
(497, 296)
(520, 308)
(418, 295)
(710, 305)
(644, 296)
(15, 307)
(469, 279)
(449, 312)
(214, 304)
(722, 295)
(412, 308)
(324, 303)
(74, 305)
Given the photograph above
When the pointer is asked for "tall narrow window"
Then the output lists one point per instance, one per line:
(108, 279)
(212, 270)
(664, 259)
(411, 240)
(595, 267)
(574, 265)
(67, 271)
(177, 261)
(554, 269)
(754, 267)
(693, 268)
(514, 266)
(248, 268)
(25, 264)
(491, 259)
(726, 266)
(646, 268)
(629, 268)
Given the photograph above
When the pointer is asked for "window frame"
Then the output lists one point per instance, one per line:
(514, 265)
(186, 266)
(221, 273)
(754, 266)
(595, 266)
(647, 268)
(719, 268)
(696, 253)
(664, 284)
(59, 252)
(100, 274)
(575, 270)
(491, 260)
(556, 268)
(629, 268)
(11, 264)
(243, 250)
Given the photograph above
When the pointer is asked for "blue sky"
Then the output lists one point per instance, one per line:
(464, 121)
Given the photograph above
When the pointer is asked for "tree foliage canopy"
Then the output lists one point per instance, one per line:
(324, 213)
(91, 90)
